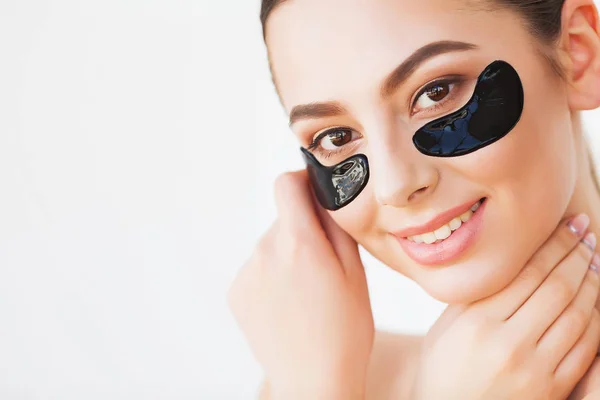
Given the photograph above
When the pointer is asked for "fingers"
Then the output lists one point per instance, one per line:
(343, 244)
(573, 322)
(587, 387)
(294, 203)
(303, 218)
(575, 364)
(506, 302)
(555, 293)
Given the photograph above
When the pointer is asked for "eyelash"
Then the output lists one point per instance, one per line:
(314, 145)
(452, 81)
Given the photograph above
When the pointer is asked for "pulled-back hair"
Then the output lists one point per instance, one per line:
(542, 18)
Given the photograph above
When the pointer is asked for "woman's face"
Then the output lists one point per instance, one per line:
(344, 51)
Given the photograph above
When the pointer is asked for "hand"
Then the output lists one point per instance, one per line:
(535, 339)
(303, 303)
(588, 388)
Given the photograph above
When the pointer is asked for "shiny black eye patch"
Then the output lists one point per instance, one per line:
(491, 113)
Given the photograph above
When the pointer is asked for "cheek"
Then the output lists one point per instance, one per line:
(530, 177)
(358, 218)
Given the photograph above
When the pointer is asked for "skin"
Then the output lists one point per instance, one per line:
(408, 188)
(523, 209)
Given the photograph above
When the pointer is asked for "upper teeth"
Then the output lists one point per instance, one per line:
(446, 230)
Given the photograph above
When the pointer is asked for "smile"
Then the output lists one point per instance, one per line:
(446, 237)
(446, 230)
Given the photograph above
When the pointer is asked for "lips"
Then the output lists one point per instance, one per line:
(444, 251)
(435, 223)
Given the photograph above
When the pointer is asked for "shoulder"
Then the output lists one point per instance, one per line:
(391, 369)
(392, 366)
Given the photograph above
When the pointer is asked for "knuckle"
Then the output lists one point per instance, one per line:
(286, 182)
(534, 272)
(563, 291)
(559, 245)
(578, 319)
(296, 247)
(583, 252)
(508, 355)
(283, 179)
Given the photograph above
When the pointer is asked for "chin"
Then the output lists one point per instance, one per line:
(471, 280)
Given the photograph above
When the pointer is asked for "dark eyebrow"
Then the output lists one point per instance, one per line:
(401, 73)
(409, 66)
(316, 110)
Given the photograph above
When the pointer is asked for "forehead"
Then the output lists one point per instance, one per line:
(335, 49)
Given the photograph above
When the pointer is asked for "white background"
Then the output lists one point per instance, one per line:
(138, 144)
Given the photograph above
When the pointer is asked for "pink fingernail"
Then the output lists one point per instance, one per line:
(595, 265)
(590, 241)
(579, 224)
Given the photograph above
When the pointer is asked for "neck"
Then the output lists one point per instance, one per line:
(586, 196)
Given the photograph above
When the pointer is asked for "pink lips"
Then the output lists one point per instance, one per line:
(449, 249)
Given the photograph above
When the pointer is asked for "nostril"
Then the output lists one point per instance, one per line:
(417, 192)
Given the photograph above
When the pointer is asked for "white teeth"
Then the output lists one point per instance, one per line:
(466, 216)
(429, 238)
(416, 239)
(455, 224)
(445, 231)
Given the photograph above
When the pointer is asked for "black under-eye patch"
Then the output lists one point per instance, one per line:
(491, 113)
(338, 185)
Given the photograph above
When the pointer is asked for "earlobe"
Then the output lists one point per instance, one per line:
(582, 38)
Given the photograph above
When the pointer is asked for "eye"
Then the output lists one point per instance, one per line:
(333, 139)
(433, 94)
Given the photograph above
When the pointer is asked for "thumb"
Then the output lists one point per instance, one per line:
(344, 246)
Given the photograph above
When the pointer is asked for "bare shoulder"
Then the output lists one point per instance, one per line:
(392, 365)
(391, 369)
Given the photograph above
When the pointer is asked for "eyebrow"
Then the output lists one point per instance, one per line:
(400, 74)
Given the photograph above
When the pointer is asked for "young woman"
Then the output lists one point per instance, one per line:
(497, 223)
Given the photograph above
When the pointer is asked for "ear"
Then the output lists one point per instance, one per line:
(581, 42)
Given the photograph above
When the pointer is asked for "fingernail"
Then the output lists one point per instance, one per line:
(579, 224)
(595, 265)
(590, 241)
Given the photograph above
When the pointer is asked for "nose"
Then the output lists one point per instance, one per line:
(402, 178)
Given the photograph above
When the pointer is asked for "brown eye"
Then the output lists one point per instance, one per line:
(433, 94)
(438, 92)
(336, 138)
(340, 138)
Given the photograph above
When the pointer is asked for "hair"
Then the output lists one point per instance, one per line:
(541, 17)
